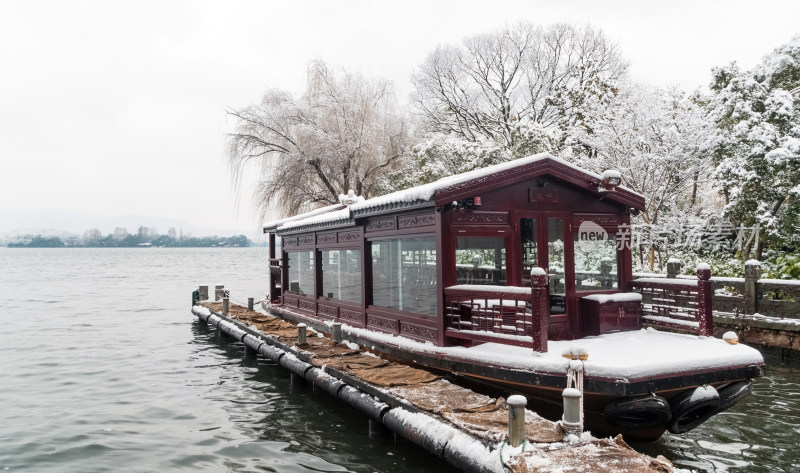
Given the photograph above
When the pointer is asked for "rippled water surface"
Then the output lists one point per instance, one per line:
(103, 368)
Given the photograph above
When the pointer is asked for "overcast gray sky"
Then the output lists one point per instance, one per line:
(113, 107)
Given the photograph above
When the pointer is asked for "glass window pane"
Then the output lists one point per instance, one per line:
(595, 260)
(341, 275)
(404, 275)
(481, 260)
(301, 272)
(555, 265)
(530, 255)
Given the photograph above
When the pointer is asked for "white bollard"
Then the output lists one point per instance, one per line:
(250, 303)
(301, 333)
(219, 291)
(225, 305)
(516, 419)
(571, 421)
(204, 292)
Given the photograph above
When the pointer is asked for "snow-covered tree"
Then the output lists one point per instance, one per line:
(757, 147)
(438, 155)
(657, 139)
(343, 133)
(499, 87)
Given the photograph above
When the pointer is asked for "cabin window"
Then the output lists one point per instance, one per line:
(404, 274)
(530, 253)
(341, 275)
(595, 260)
(481, 260)
(301, 271)
(556, 265)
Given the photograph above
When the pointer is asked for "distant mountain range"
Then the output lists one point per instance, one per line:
(64, 223)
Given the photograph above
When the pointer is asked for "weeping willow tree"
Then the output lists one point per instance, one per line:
(343, 133)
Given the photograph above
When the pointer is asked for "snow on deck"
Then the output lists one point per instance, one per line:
(626, 356)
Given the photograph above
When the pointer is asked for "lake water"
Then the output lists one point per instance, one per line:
(103, 368)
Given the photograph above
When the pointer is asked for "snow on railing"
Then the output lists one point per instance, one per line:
(678, 304)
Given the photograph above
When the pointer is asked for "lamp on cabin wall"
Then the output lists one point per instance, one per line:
(470, 203)
(609, 180)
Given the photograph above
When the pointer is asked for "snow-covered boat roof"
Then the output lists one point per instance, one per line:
(454, 187)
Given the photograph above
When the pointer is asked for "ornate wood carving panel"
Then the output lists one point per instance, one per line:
(305, 305)
(290, 301)
(380, 322)
(481, 218)
(416, 221)
(290, 241)
(417, 331)
(606, 219)
(351, 315)
(380, 225)
(349, 237)
(326, 238)
(328, 310)
(305, 240)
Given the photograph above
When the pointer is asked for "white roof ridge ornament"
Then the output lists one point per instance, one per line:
(350, 198)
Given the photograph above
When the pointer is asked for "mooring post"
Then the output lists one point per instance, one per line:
(516, 419)
(219, 291)
(571, 422)
(204, 292)
(301, 333)
(225, 305)
(752, 273)
(250, 303)
(673, 267)
(337, 332)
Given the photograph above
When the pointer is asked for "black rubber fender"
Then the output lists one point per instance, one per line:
(327, 383)
(363, 402)
(296, 366)
(693, 407)
(731, 394)
(270, 352)
(638, 413)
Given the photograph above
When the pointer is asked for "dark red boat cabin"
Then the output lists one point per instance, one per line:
(450, 262)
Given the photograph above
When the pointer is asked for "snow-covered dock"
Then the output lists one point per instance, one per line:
(466, 429)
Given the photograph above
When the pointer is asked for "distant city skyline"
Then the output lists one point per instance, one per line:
(112, 108)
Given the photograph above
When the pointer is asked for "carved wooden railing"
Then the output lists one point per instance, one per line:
(683, 305)
(508, 315)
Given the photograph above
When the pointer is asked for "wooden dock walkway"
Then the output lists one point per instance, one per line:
(466, 429)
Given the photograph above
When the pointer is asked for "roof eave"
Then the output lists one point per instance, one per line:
(553, 167)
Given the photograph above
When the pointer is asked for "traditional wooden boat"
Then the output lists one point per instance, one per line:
(509, 276)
